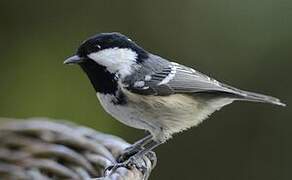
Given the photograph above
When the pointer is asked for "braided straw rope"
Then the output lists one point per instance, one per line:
(42, 149)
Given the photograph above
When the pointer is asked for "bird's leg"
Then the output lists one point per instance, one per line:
(135, 148)
(148, 147)
(143, 141)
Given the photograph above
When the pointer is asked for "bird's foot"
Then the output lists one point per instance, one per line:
(130, 163)
(141, 163)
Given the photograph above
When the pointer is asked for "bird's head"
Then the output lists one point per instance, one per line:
(115, 52)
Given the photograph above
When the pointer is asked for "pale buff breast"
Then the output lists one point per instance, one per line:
(161, 115)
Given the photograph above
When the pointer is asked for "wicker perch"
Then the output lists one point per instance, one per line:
(43, 149)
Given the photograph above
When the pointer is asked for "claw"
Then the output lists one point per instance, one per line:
(113, 168)
(108, 169)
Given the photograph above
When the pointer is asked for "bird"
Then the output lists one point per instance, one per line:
(148, 92)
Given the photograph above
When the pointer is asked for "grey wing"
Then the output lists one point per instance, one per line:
(170, 78)
(166, 78)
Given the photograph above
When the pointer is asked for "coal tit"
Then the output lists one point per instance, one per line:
(148, 92)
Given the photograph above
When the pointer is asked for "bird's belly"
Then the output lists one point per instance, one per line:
(160, 115)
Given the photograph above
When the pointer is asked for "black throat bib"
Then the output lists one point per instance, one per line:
(103, 81)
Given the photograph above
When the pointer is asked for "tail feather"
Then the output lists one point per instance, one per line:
(251, 96)
(255, 97)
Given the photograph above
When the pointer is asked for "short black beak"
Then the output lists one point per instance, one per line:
(74, 60)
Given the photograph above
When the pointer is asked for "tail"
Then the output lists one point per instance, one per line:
(242, 95)
(255, 97)
(250, 96)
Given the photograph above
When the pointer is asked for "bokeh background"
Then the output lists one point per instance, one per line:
(246, 43)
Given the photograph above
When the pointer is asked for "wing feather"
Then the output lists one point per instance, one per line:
(170, 78)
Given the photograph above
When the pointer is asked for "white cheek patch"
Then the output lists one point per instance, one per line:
(119, 60)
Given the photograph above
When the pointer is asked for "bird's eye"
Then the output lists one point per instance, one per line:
(98, 46)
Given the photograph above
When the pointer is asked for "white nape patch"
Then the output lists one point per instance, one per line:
(148, 78)
(139, 84)
(119, 60)
(171, 75)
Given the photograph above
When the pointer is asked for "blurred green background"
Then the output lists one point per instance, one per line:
(246, 43)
